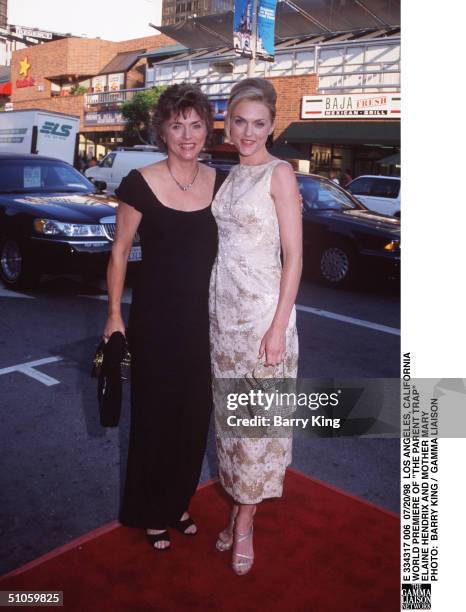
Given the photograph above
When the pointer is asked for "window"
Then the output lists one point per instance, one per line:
(375, 186)
(322, 195)
(39, 176)
(361, 186)
(107, 161)
(385, 188)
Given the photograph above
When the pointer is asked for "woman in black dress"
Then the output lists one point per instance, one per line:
(168, 331)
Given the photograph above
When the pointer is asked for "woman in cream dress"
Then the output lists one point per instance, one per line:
(252, 314)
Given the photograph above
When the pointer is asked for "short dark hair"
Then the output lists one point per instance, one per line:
(178, 99)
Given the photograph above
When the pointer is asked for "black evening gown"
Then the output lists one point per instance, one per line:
(168, 336)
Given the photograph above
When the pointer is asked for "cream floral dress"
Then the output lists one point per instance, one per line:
(244, 291)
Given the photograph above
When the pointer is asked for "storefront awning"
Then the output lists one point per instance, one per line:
(343, 132)
(5, 89)
(285, 151)
(293, 18)
(163, 51)
(122, 62)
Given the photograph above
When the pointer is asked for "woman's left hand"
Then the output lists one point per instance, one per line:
(273, 346)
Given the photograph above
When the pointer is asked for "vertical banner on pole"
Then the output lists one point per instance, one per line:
(266, 29)
(242, 27)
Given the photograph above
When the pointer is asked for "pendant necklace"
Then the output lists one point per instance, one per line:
(180, 185)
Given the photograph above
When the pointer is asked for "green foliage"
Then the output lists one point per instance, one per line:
(139, 112)
(78, 90)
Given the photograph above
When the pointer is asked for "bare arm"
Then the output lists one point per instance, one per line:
(285, 192)
(127, 222)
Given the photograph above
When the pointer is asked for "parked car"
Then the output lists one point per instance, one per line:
(378, 193)
(112, 169)
(221, 164)
(52, 220)
(342, 238)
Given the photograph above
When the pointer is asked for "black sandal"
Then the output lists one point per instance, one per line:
(152, 538)
(181, 526)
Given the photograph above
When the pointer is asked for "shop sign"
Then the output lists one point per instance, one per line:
(352, 106)
(116, 82)
(108, 117)
(33, 33)
(26, 81)
(99, 83)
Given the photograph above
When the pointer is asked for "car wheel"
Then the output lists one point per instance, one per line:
(15, 269)
(397, 214)
(337, 264)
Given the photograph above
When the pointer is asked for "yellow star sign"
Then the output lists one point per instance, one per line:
(24, 67)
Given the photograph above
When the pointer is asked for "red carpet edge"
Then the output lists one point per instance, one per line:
(95, 533)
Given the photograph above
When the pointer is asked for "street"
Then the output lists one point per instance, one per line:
(61, 471)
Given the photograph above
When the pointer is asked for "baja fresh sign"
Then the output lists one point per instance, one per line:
(353, 106)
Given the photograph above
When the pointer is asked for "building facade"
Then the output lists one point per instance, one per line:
(174, 11)
(338, 97)
(3, 13)
(84, 77)
(338, 102)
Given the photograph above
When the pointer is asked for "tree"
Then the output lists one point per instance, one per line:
(139, 112)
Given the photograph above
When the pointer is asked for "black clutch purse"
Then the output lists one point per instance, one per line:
(111, 366)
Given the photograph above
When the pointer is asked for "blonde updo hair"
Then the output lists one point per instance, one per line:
(257, 90)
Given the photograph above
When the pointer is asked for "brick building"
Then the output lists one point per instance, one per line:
(71, 75)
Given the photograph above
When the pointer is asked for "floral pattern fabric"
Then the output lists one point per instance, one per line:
(244, 291)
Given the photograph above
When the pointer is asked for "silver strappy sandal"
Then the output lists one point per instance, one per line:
(242, 565)
(221, 543)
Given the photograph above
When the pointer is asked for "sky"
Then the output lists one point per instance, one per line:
(109, 19)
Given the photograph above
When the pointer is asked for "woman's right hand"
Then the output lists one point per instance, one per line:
(114, 323)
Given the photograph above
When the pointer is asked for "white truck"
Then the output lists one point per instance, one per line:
(112, 169)
(39, 131)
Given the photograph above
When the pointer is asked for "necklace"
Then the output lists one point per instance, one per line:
(180, 185)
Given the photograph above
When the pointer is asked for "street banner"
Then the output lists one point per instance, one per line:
(266, 30)
(220, 109)
(242, 27)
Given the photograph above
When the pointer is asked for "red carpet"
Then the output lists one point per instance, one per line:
(317, 550)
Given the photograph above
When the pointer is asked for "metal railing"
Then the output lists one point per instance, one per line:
(213, 88)
(111, 97)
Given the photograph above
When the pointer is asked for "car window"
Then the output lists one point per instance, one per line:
(321, 194)
(375, 186)
(26, 175)
(65, 175)
(108, 160)
(385, 188)
(360, 186)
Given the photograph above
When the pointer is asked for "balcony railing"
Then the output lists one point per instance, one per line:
(214, 89)
(111, 97)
